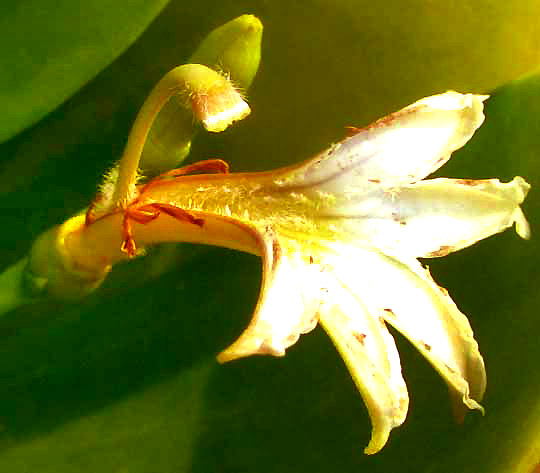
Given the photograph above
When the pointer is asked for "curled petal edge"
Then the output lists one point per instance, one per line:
(287, 306)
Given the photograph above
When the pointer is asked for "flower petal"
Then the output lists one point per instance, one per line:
(370, 354)
(288, 303)
(298, 288)
(404, 294)
(434, 217)
(401, 148)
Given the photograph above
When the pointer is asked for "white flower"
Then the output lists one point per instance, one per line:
(339, 236)
(355, 270)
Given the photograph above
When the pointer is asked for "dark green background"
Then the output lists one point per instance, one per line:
(125, 380)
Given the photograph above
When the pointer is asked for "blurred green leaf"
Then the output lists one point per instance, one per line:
(49, 50)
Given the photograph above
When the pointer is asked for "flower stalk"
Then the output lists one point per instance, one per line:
(212, 99)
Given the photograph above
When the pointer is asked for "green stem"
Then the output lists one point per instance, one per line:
(12, 287)
(186, 81)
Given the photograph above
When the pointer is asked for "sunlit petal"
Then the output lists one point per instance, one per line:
(287, 307)
(433, 217)
(339, 236)
(404, 294)
(370, 354)
(398, 149)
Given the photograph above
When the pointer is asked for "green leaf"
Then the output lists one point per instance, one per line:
(49, 50)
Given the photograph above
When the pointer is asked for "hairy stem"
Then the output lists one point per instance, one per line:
(191, 83)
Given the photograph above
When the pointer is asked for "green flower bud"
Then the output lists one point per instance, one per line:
(234, 48)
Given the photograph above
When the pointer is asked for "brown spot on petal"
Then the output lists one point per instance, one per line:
(292, 338)
(351, 131)
(375, 181)
(276, 253)
(443, 290)
(267, 349)
(323, 268)
(389, 312)
(403, 404)
(382, 122)
(469, 182)
(389, 119)
(396, 218)
(442, 251)
(426, 346)
(309, 326)
(360, 337)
